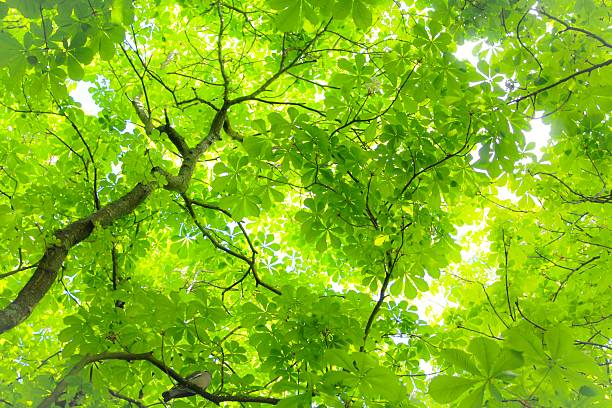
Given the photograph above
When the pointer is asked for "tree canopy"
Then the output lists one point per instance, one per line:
(279, 191)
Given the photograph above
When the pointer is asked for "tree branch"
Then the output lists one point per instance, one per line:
(66, 238)
(569, 275)
(281, 71)
(389, 267)
(559, 82)
(61, 386)
(175, 137)
(572, 28)
(127, 399)
(53, 258)
(439, 162)
(249, 261)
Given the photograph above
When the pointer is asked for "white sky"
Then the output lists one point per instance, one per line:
(81, 95)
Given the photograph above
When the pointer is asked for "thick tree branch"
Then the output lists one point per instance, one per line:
(180, 182)
(47, 269)
(66, 238)
(175, 137)
(142, 115)
(61, 386)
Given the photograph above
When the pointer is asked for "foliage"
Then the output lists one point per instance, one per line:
(272, 189)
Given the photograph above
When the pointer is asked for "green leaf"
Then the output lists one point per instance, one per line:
(117, 11)
(298, 401)
(340, 358)
(381, 239)
(84, 55)
(460, 360)
(342, 8)
(579, 361)
(373, 151)
(384, 382)
(291, 18)
(558, 341)
(522, 338)
(486, 352)
(10, 49)
(446, 389)
(106, 47)
(507, 360)
(257, 146)
(29, 8)
(473, 399)
(361, 15)
(75, 70)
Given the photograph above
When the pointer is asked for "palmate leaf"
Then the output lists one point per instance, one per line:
(10, 49)
(298, 401)
(383, 382)
(486, 352)
(362, 16)
(445, 388)
(460, 360)
(320, 202)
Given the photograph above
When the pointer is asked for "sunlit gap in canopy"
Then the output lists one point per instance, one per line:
(432, 304)
(539, 134)
(81, 94)
(537, 137)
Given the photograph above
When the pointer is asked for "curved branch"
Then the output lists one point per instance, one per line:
(518, 37)
(61, 386)
(295, 62)
(249, 261)
(559, 82)
(396, 96)
(175, 137)
(389, 266)
(442, 160)
(298, 104)
(599, 199)
(129, 400)
(572, 28)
